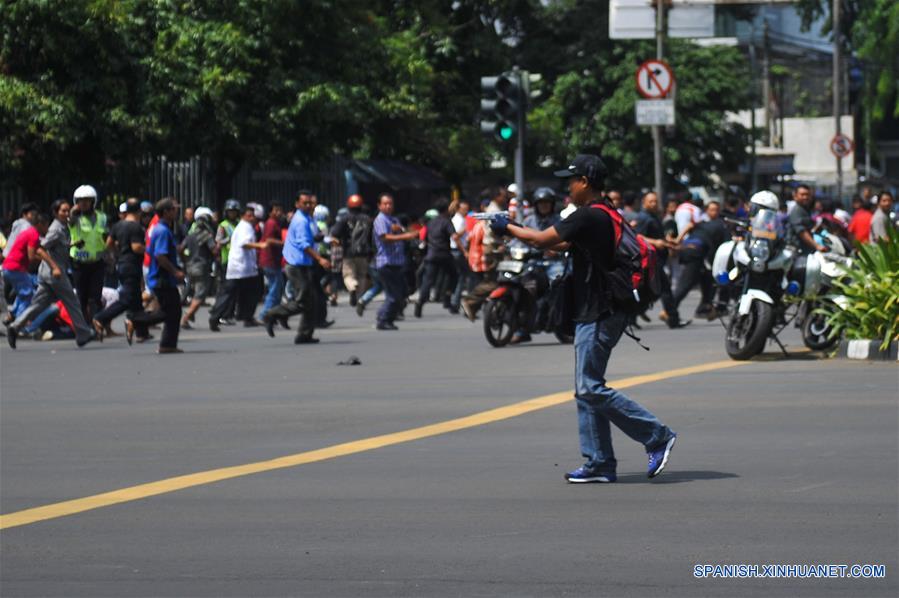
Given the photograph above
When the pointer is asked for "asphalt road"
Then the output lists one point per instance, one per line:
(781, 461)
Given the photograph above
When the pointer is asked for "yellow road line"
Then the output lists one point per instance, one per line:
(88, 503)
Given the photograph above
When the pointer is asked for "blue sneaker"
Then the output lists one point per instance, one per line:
(658, 457)
(584, 475)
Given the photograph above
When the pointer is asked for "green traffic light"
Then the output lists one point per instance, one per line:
(506, 133)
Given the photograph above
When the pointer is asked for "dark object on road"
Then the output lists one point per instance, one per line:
(351, 360)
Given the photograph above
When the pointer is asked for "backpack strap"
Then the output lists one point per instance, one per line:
(616, 218)
(629, 331)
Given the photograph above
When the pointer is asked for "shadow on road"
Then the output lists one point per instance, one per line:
(675, 477)
(799, 355)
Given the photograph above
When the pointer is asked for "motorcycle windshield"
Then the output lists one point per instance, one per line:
(764, 225)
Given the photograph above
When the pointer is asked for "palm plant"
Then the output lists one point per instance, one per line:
(870, 309)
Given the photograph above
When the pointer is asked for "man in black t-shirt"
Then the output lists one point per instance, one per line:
(588, 232)
(126, 239)
(699, 242)
(439, 258)
(650, 226)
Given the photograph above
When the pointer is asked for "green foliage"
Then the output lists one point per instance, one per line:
(592, 106)
(870, 28)
(871, 288)
(88, 83)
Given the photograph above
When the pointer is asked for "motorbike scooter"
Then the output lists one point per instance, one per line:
(515, 304)
(768, 270)
(760, 262)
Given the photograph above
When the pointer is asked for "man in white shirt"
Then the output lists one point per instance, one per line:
(240, 275)
(687, 213)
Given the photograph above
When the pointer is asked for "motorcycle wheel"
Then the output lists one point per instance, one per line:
(746, 335)
(565, 339)
(816, 333)
(499, 322)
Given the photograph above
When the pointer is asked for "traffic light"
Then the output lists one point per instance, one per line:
(502, 106)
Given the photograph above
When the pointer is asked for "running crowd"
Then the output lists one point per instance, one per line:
(70, 273)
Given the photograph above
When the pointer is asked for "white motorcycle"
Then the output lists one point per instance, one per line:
(767, 270)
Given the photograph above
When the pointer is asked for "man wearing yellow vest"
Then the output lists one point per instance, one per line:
(88, 228)
(223, 243)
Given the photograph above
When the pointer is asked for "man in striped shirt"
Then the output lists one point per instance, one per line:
(390, 258)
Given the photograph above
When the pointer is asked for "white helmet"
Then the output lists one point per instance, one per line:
(258, 210)
(202, 212)
(321, 213)
(84, 192)
(765, 199)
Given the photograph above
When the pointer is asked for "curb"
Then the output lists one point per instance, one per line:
(868, 350)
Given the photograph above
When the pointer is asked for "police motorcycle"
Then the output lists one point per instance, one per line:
(818, 271)
(515, 304)
(768, 270)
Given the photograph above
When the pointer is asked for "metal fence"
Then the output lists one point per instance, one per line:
(193, 183)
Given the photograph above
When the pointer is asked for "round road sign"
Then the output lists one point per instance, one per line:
(841, 146)
(654, 79)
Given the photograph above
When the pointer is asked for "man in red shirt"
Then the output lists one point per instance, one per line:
(24, 252)
(860, 225)
(270, 257)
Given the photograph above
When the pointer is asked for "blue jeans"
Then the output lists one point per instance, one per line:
(23, 283)
(598, 404)
(374, 289)
(274, 278)
(36, 323)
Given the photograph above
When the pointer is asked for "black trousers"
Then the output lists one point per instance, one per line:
(169, 314)
(440, 274)
(393, 279)
(321, 298)
(88, 278)
(129, 297)
(693, 272)
(304, 302)
(239, 292)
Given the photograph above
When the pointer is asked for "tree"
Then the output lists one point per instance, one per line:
(870, 28)
(591, 105)
(70, 95)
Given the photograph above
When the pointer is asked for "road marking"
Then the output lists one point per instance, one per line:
(132, 493)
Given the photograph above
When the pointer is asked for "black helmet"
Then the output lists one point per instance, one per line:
(545, 194)
(232, 204)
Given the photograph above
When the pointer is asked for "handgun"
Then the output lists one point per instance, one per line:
(490, 215)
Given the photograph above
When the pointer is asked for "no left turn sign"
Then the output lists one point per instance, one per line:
(654, 79)
(841, 146)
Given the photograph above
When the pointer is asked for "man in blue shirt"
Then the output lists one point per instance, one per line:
(301, 256)
(390, 257)
(163, 278)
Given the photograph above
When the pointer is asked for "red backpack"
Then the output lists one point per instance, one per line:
(633, 285)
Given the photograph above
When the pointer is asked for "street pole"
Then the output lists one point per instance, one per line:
(836, 92)
(522, 123)
(766, 84)
(656, 129)
(753, 172)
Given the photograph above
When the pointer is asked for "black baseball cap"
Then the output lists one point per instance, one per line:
(585, 165)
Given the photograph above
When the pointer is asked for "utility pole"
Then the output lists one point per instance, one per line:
(522, 125)
(766, 84)
(656, 129)
(753, 171)
(836, 91)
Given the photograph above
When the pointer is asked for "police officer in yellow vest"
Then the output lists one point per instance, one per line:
(223, 243)
(89, 229)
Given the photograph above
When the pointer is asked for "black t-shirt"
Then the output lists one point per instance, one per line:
(592, 237)
(712, 234)
(126, 232)
(800, 220)
(649, 226)
(440, 230)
